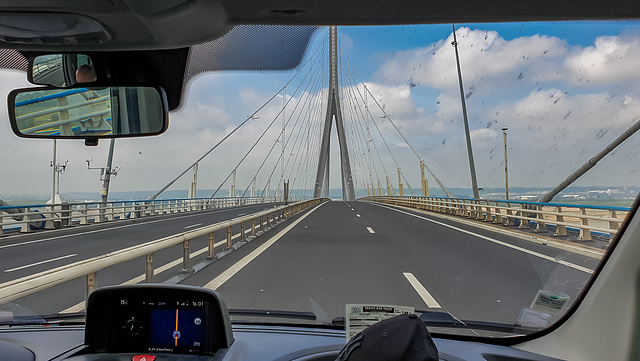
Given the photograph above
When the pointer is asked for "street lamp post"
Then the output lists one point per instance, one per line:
(55, 171)
(472, 166)
(506, 171)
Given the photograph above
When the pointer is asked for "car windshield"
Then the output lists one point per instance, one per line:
(476, 174)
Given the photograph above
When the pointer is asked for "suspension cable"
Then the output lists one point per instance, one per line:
(388, 117)
(252, 116)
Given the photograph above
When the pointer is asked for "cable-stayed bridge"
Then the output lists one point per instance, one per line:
(276, 230)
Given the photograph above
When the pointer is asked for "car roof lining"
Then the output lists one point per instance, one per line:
(170, 24)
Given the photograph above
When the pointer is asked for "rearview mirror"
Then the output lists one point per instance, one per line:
(88, 113)
(62, 70)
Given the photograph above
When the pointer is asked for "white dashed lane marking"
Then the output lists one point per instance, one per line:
(424, 294)
(41, 262)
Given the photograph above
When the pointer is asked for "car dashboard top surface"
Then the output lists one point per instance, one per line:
(159, 322)
(252, 342)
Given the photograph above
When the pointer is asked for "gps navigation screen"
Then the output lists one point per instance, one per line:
(158, 325)
(154, 318)
(176, 328)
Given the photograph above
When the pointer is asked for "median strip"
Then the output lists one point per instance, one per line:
(142, 223)
(30, 284)
(231, 271)
(79, 307)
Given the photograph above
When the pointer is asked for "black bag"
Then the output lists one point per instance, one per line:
(400, 338)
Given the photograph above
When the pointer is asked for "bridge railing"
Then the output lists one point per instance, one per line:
(88, 268)
(50, 216)
(587, 220)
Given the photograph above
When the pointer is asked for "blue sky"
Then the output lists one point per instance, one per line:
(565, 90)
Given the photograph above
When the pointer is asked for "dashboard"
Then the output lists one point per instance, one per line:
(173, 322)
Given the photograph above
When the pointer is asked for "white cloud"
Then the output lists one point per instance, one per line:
(481, 134)
(611, 60)
(485, 58)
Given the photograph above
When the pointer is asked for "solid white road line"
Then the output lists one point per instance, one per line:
(424, 294)
(521, 249)
(231, 271)
(41, 262)
(193, 225)
(370, 230)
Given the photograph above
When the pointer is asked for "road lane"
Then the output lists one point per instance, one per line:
(478, 279)
(332, 258)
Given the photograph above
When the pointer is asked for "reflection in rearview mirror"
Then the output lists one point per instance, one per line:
(62, 70)
(87, 112)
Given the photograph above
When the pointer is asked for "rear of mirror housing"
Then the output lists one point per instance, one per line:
(88, 113)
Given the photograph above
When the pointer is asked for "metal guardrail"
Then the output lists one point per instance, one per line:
(88, 268)
(50, 216)
(586, 219)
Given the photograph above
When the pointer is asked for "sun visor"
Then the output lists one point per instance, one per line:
(51, 29)
(251, 47)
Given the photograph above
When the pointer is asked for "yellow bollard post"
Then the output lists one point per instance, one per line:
(424, 181)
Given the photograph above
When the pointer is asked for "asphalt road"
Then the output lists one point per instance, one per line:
(337, 254)
(359, 252)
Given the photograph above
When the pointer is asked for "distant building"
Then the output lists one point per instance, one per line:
(527, 198)
(573, 196)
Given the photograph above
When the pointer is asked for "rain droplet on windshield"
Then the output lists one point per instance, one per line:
(601, 133)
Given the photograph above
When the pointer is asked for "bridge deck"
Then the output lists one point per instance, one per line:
(339, 253)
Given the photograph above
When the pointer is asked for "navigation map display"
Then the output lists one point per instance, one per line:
(176, 329)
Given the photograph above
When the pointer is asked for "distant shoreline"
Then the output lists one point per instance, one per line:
(600, 196)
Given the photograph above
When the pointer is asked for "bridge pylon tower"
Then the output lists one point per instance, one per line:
(334, 112)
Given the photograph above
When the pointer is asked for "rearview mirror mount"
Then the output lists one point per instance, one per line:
(88, 113)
